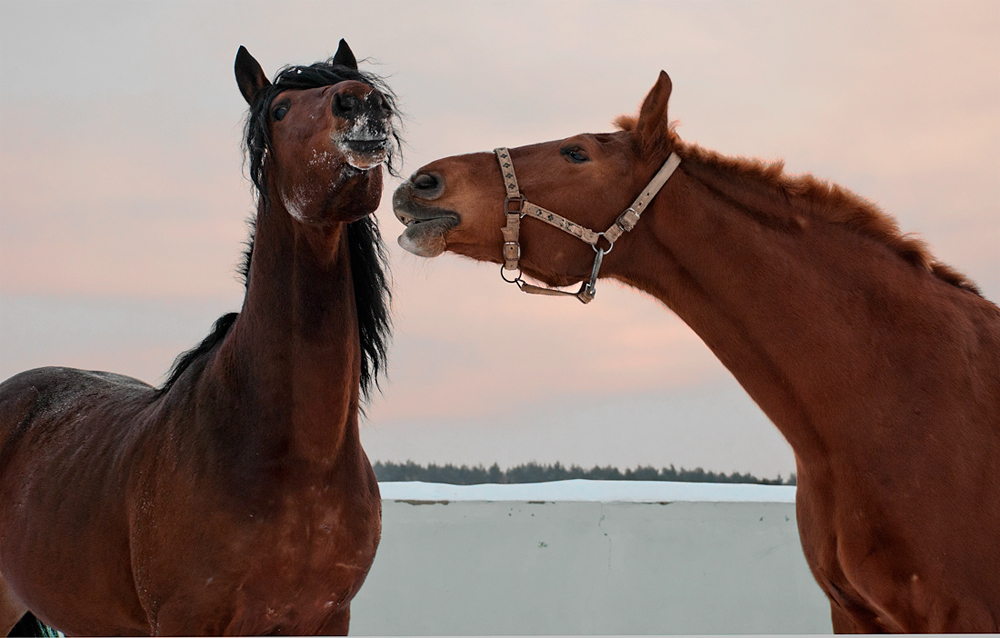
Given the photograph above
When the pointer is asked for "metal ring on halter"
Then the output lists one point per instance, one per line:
(515, 280)
(611, 244)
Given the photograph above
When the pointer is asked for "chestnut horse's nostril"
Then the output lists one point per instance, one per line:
(425, 181)
(427, 185)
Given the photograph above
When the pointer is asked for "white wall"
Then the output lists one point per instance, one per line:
(589, 557)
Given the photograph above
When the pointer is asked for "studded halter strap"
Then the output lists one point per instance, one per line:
(516, 206)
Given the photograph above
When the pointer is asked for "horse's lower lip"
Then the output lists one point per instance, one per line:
(425, 237)
(366, 146)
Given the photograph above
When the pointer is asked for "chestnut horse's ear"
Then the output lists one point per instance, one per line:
(653, 128)
(345, 56)
(249, 76)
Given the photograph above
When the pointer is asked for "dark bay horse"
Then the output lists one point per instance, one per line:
(235, 499)
(880, 365)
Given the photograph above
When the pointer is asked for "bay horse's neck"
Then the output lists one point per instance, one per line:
(805, 311)
(295, 345)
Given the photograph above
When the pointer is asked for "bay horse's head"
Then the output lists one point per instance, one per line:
(317, 136)
(460, 203)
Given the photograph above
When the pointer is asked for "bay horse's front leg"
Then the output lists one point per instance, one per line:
(11, 608)
(337, 624)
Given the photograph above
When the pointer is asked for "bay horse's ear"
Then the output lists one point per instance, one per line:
(653, 128)
(249, 76)
(345, 56)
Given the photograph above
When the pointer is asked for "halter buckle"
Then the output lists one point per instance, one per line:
(628, 219)
(519, 201)
(511, 251)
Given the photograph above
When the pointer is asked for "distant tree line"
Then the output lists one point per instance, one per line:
(537, 473)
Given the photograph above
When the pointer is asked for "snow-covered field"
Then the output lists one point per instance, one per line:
(589, 557)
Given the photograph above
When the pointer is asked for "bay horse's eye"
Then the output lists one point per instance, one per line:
(575, 154)
(279, 112)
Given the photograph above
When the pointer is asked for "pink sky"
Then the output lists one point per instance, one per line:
(122, 199)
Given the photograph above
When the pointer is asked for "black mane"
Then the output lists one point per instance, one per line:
(369, 261)
(185, 359)
(369, 265)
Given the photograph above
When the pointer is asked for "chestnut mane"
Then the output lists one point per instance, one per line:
(829, 201)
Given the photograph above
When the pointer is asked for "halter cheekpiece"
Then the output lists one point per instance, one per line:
(516, 206)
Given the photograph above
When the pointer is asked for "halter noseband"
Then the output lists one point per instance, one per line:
(516, 206)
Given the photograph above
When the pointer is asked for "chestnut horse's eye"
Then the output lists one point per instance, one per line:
(575, 154)
(279, 112)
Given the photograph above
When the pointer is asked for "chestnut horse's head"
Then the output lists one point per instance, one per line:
(458, 203)
(316, 138)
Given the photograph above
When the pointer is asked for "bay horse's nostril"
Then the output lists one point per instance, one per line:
(379, 101)
(427, 185)
(345, 105)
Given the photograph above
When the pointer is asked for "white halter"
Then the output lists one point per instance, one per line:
(516, 206)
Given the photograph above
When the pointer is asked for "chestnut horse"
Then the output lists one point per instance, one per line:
(879, 365)
(235, 499)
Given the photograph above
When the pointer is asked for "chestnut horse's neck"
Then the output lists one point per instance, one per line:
(812, 316)
(294, 350)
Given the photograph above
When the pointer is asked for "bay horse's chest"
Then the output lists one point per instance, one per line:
(319, 553)
(319, 531)
(286, 564)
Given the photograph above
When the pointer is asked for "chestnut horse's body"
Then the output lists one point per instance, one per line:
(237, 498)
(880, 366)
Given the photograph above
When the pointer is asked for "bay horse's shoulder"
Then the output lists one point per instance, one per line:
(53, 385)
(58, 377)
(44, 394)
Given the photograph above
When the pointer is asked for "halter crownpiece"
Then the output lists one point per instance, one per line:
(516, 206)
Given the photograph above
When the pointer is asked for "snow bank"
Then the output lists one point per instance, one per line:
(591, 491)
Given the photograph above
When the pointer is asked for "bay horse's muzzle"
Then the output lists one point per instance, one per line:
(367, 124)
